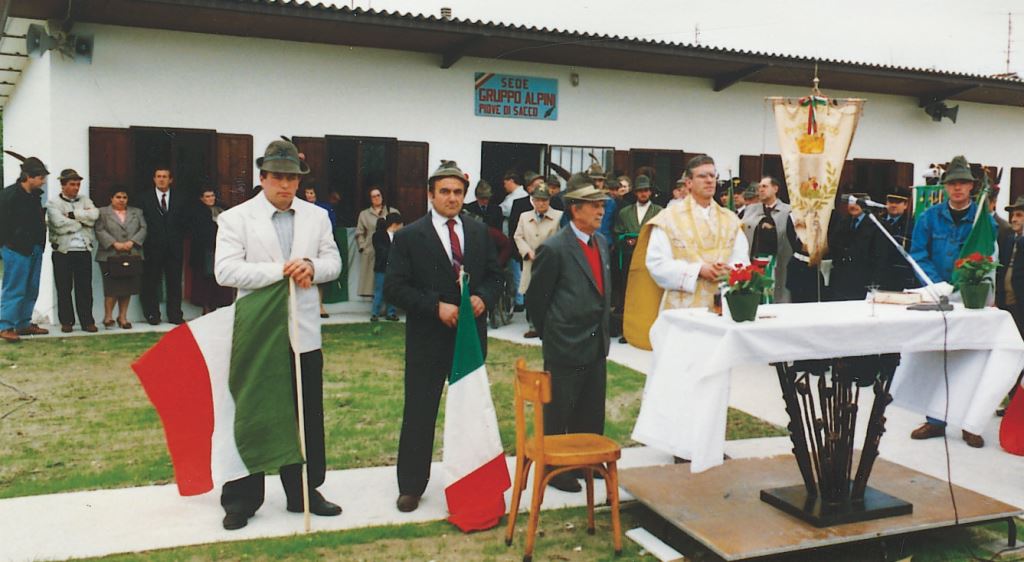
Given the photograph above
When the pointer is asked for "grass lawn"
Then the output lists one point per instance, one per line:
(76, 418)
(73, 417)
(561, 535)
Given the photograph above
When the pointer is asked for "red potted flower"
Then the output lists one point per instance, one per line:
(972, 278)
(745, 286)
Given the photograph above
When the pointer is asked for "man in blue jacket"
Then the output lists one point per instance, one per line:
(938, 238)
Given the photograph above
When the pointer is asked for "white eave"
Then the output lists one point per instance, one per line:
(13, 58)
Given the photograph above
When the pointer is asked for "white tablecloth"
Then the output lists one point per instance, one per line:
(686, 396)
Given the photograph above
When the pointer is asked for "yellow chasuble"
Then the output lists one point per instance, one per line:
(694, 239)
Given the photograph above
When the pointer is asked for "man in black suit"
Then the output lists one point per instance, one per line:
(857, 253)
(165, 213)
(482, 207)
(896, 274)
(422, 278)
(1010, 274)
(569, 301)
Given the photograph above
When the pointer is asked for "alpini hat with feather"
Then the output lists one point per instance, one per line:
(958, 170)
(448, 169)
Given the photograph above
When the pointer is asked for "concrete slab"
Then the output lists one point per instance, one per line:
(719, 507)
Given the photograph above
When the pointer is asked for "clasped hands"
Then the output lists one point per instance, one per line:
(301, 271)
(714, 271)
(449, 313)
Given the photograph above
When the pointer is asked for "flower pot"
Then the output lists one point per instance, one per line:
(974, 295)
(743, 306)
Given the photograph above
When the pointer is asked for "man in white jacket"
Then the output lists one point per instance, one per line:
(71, 218)
(273, 236)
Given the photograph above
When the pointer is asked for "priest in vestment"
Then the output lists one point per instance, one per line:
(681, 255)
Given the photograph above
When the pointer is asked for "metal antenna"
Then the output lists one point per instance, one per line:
(1009, 39)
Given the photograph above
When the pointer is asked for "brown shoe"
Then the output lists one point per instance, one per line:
(33, 330)
(530, 334)
(927, 431)
(407, 503)
(9, 336)
(91, 328)
(973, 439)
(66, 328)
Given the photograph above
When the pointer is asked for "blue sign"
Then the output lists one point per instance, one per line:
(518, 97)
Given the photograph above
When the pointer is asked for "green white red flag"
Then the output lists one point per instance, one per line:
(476, 475)
(222, 386)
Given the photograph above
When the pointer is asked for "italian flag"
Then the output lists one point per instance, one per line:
(476, 475)
(222, 385)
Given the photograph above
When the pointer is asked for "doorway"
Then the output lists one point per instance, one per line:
(190, 154)
(498, 158)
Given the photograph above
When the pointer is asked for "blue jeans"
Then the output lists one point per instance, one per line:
(378, 295)
(934, 421)
(20, 287)
(517, 272)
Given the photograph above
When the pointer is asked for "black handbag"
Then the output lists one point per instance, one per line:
(124, 266)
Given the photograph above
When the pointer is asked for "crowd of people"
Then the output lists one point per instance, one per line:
(139, 247)
(577, 261)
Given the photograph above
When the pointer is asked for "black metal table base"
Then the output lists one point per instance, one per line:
(822, 401)
(875, 505)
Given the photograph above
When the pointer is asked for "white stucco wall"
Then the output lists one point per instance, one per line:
(267, 88)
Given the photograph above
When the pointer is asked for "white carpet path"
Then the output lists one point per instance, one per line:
(96, 523)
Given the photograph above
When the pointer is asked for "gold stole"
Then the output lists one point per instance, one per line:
(693, 239)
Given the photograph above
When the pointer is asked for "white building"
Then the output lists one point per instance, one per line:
(380, 98)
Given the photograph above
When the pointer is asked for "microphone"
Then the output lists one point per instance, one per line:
(863, 202)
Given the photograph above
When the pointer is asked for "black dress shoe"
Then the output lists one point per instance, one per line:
(153, 320)
(565, 482)
(177, 321)
(317, 506)
(623, 339)
(236, 520)
(407, 503)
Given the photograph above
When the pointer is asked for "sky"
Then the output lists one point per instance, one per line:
(968, 36)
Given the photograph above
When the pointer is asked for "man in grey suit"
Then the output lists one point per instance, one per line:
(765, 225)
(569, 300)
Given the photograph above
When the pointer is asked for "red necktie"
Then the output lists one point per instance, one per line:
(456, 247)
(163, 202)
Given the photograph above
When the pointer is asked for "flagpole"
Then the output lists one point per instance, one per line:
(294, 323)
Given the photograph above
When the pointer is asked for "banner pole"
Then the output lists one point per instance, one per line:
(294, 330)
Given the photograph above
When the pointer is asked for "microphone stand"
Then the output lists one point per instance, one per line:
(941, 302)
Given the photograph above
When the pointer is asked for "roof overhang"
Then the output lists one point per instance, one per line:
(452, 40)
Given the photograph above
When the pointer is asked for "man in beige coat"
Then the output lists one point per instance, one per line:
(534, 229)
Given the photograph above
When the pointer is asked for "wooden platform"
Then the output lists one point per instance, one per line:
(721, 507)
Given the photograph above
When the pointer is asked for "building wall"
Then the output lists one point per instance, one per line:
(267, 88)
(29, 131)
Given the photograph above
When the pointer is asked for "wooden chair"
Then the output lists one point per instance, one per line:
(552, 455)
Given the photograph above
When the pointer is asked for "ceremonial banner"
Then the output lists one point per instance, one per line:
(926, 196)
(476, 475)
(814, 138)
(222, 385)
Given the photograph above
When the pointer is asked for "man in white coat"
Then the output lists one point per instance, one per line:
(274, 236)
(534, 229)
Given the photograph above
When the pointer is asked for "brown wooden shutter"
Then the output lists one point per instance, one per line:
(315, 150)
(1016, 184)
(904, 174)
(621, 160)
(750, 168)
(410, 190)
(234, 169)
(110, 162)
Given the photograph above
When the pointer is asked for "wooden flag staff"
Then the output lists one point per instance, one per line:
(294, 330)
